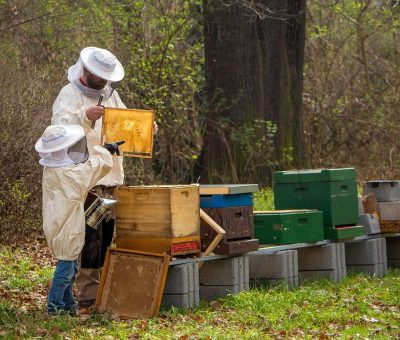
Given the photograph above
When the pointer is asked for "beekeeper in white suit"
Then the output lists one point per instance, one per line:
(96, 73)
(68, 175)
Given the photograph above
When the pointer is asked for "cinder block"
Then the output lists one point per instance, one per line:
(182, 286)
(383, 251)
(226, 272)
(384, 190)
(341, 255)
(365, 252)
(368, 256)
(245, 272)
(182, 278)
(319, 262)
(329, 256)
(279, 265)
(222, 277)
(389, 211)
(370, 223)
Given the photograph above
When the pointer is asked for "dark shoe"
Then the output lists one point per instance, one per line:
(86, 303)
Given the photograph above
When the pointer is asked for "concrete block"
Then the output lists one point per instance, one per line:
(329, 256)
(383, 251)
(226, 272)
(245, 272)
(182, 278)
(320, 262)
(389, 211)
(182, 286)
(370, 223)
(279, 265)
(363, 252)
(222, 277)
(341, 255)
(367, 256)
(384, 190)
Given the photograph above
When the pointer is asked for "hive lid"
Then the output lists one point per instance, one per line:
(314, 175)
(227, 189)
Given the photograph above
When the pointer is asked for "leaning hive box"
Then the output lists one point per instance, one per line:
(159, 219)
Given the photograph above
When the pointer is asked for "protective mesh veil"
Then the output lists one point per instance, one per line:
(78, 152)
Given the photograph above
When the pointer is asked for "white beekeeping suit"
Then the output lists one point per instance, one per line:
(74, 98)
(68, 175)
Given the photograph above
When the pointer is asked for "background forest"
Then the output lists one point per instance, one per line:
(350, 90)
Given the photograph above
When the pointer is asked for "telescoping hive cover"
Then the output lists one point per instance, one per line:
(132, 283)
(133, 126)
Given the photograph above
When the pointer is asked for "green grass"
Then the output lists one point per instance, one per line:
(358, 307)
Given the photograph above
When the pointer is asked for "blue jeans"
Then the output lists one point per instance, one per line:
(61, 296)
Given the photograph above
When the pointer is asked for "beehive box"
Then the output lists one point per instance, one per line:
(332, 191)
(159, 219)
(288, 226)
(231, 207)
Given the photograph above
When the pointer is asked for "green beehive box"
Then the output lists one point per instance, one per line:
(288, 226)
(333, 191)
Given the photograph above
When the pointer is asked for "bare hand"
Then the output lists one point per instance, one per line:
(94, 112)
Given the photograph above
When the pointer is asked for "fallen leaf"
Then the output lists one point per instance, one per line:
(143, 324)
(215, 305)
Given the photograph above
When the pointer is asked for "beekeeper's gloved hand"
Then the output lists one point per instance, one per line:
(113, 147)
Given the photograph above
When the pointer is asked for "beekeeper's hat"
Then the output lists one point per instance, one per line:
(102, 63)
(59, 137)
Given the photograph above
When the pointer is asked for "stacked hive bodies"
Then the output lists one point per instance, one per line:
(231, 206)
(332, 191)
(387, 194)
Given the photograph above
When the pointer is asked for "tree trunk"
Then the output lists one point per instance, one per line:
(253, 66)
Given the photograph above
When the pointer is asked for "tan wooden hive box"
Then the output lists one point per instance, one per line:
(159, 219)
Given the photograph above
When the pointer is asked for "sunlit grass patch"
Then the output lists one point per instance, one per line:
(264, 200)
